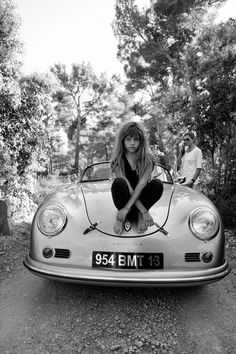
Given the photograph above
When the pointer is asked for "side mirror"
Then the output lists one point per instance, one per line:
(180, 180)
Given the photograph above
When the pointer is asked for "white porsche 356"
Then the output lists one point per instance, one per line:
(72, 237)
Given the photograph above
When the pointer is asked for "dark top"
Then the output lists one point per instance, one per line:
(130, 174)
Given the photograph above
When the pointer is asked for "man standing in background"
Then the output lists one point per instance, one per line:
(190, 160)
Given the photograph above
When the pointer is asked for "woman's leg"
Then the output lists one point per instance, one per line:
(151, 193)
(120, 193)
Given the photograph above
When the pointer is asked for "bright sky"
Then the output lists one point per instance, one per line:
(71, 31)
(228, 10)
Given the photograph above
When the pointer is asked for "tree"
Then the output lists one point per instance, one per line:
(115, 107)
(213, 79)
(151, 41)
(10, 48)
(161, 49)
(79, 94)
(24, 127)
(37, 119)
(152, 45)
(25, 107)
(26, 137)
(175, 51)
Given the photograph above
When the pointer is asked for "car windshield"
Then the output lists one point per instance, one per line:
(101, 171)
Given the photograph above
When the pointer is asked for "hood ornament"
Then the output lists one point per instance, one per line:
(127, 225)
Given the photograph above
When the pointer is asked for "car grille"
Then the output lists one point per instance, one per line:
(192, 257)
(62, 253)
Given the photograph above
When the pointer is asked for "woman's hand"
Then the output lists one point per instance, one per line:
(148, 220)
(121, 215)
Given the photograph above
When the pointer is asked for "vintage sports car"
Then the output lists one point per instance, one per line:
(72, 237)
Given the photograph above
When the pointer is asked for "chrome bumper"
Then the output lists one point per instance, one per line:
(134, 278)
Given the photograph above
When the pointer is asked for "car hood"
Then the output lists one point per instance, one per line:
(93, 200)
(100, 207)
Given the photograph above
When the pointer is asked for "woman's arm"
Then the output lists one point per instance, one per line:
(121, 215)
(138, 203)
(138, 189)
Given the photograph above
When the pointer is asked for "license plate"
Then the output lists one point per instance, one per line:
(126, 260)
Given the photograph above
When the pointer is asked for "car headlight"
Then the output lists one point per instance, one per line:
(52, 220)
(204, 223)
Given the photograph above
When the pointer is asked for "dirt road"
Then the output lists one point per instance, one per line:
(41, 316)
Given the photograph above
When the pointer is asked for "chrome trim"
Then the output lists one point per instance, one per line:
(195, 233)
(192, 257)
(62, 253)
(52, 234)
(153, 278)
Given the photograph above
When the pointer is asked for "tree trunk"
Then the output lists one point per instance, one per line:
(77, 142)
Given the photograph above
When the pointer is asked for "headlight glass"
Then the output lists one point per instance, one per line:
(204, 223)
(52, 220)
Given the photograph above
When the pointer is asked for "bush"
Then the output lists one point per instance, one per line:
(221, 194)
(226, 204)
(20, 190)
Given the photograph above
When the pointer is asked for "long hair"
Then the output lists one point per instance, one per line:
(143, 156)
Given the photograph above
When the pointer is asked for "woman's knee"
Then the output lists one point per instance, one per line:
(119, 186)
(151, 193)
(119, 182)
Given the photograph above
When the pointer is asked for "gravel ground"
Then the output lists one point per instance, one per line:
(13, 249)
(100, 327)
(43, 317)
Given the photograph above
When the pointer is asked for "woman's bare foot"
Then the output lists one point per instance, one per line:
(118, 227)
(141, 227)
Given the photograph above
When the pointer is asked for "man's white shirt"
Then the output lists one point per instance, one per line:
(190, 162)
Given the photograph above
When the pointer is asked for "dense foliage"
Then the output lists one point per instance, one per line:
(180, 68)
(185, 61)
(78, 97)
(25, 113)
